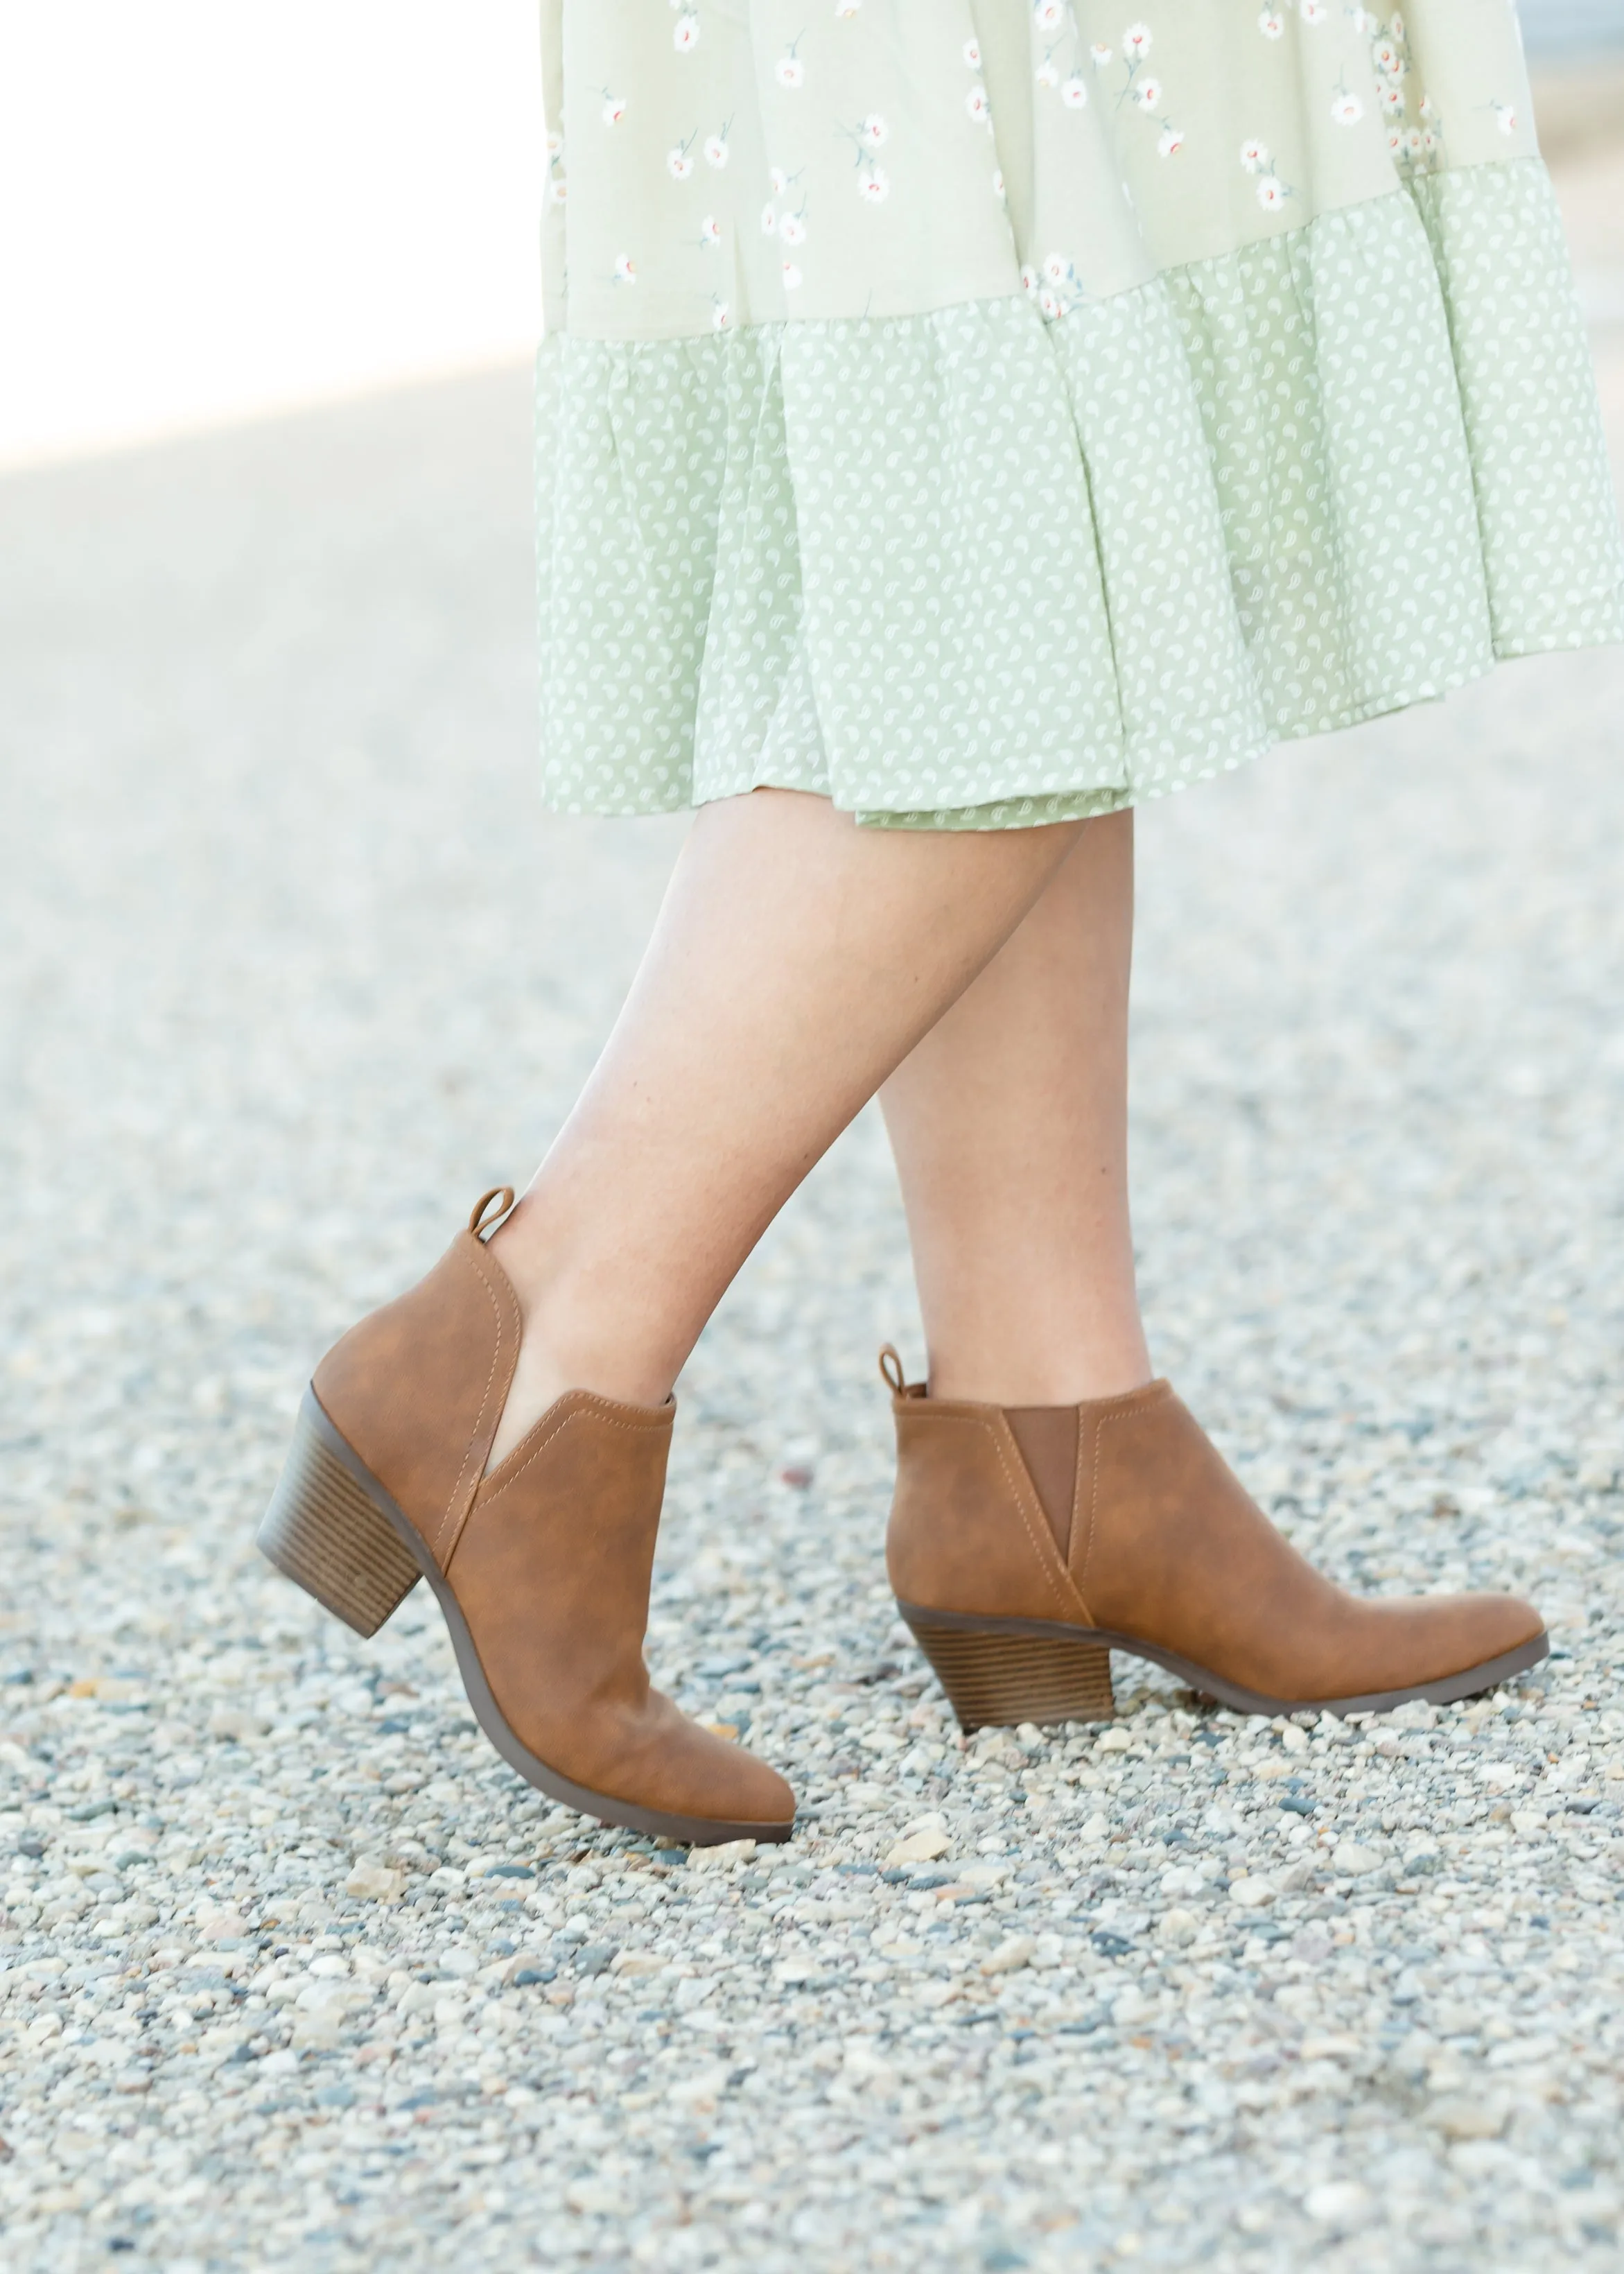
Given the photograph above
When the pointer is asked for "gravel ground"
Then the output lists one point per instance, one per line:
(293, 1972)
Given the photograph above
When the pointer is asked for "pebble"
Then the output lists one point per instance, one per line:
(293, 1970)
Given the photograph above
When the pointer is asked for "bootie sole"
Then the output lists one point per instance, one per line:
(1000, 1672)
(334, 1531)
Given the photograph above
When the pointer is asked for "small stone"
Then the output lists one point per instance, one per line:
(1253, 1892)
(375, 1883)
(598, 2198)
(1467, 2116)
(1178, 1927)
(222, 1926)
(1336, 2046)
(723, 1857)
(1349, 1856)
(1011, 1956)
(1527, 1822)
(920, 1848)
(1523, 2053)
(1340, 2203)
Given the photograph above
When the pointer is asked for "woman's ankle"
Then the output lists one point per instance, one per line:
(973, 1374)
(575, 1335)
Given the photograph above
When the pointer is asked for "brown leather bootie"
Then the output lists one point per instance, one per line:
(1027, 1543)
(542, 1568)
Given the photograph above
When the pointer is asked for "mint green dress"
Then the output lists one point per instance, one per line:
(986, 412)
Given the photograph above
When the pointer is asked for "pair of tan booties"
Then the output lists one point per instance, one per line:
(1025, 1545)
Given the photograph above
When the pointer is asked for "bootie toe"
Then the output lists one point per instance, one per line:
(542, 1568)
(1026, 1544)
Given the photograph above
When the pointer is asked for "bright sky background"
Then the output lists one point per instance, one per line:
(210, 209)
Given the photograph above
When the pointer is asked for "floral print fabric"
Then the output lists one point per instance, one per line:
(728, 163)
(988, 411)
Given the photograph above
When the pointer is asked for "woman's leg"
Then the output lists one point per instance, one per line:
(1009, 1121)
(797, 960)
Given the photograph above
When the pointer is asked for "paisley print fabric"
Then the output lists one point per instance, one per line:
(980, 411)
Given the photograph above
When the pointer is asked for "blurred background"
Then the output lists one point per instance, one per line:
(215, 210)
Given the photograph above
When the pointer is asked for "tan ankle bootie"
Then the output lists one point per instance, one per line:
(1027, 1543)
(542, 1568)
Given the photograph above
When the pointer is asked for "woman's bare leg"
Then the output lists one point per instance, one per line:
(1009, 1121)
(796, 962)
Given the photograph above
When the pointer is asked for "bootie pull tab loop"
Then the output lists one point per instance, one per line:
(478, 1224)
(892, 1372)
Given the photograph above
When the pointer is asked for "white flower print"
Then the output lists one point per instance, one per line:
(1314, 11)
(717, 152)
(1389, 59)
(1272, 193)
(1272, 24)
(874, 186)
(1053, 286)
(844, 7)
(1346, 109)
(1048, 15)
(791, 73)
(977, 105)
(769, 221)
(874, 132)
(685, 33)
(625, 268)
(973, 54)
(793, 227)
(1390, 95)
(1048, 72)
(778, 179)
(1170, 141)
(1136, 42)
(1074, 93)
(999, 190)
(711, 232)
(680, 161)
(1147, 93)
(721, 317)
(1255, 156)
(793, 277)
(1100, 56)
(614, 109)
(1505, 118)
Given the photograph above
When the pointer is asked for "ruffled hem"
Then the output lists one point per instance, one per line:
(974, 571)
